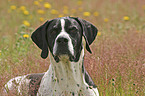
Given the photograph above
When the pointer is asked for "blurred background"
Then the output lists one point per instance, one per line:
(117, 64)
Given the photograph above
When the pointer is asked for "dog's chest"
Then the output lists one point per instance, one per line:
(65, 79)
(62, 81)
(63, 87)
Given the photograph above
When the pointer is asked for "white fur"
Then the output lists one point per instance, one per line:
(62, 24)
(63, 78)
(64, 34)
(19, 83)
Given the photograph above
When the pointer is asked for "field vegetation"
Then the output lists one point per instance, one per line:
(117, 64)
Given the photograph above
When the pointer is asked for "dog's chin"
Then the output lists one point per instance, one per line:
(63, 57)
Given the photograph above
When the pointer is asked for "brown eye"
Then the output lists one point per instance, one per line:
(73, 31)
(53, 31)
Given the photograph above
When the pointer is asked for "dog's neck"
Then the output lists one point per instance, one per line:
(66, 78)
(67, 71)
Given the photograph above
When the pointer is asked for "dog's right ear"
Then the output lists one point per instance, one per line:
(89, 31)
(40, 39)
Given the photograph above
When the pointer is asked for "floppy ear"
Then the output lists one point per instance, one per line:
(40, 39)
(89, 32)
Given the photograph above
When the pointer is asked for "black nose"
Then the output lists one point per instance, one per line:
(62, 40)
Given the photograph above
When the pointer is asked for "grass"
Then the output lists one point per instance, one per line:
(117, 64)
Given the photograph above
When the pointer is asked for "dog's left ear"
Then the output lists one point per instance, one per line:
(40, 39)
(89, 32)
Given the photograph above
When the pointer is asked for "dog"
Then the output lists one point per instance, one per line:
(65, 38)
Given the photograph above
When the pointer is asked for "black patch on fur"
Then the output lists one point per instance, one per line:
(78, 85)
(73, 93)
(35, 80)
(88, 79)
(83, 67)
(87, 87)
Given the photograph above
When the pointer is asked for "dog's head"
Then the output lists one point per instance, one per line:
(63, 36)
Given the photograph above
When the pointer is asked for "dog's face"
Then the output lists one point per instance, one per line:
(63, 36)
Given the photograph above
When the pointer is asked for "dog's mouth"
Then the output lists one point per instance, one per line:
(62, 57)
(60, 54)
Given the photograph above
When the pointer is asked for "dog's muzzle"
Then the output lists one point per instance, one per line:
(63, 46)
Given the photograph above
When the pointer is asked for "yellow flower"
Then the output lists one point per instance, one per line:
(86, 14)
(26, 12)
(36, 3)
(60, 15)
(99, 34)
(41, 19)
(40, 11)
(79, 2)
(25, 35)
(13, 7)
(23, 8)
(126, 18)
(53, 11)
(106, 19)
(96, 13)
(26, 23)
(47, 5)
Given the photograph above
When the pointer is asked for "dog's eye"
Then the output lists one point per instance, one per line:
(73, 30)
(53, 31)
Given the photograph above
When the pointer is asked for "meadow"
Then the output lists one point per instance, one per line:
(117, 62)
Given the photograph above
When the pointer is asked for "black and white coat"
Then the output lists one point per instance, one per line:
(65, 38)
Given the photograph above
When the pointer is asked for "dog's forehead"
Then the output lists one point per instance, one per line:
(68, 22)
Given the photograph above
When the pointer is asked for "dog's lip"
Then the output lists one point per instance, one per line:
(72, 58)
(57, 57)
